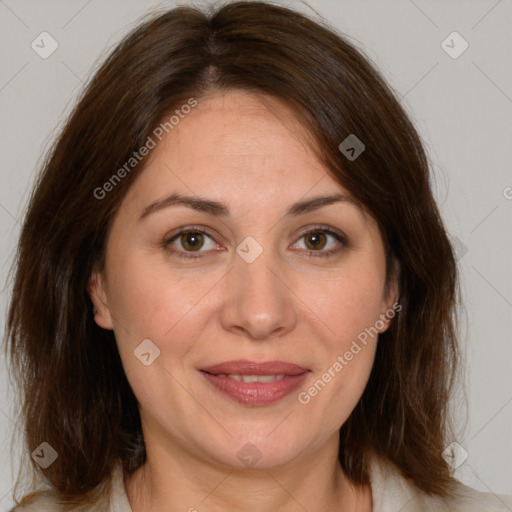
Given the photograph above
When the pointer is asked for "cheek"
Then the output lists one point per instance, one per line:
(168, 307)
(349, 307)
(347, 355)
(349, 304)
(148, 298)
(162, 308)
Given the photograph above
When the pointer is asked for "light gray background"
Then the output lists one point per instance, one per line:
(462, 108)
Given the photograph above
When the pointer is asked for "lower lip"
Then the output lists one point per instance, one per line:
(256, 393)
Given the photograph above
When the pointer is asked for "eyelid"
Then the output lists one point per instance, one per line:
(328, 230)
(342, 242)
(192, 228)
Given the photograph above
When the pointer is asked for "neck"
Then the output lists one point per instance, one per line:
(174, 479)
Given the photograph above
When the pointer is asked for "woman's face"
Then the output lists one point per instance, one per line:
(254, 287)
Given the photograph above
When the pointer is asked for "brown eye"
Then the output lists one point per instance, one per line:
(321, 241)
(192, 241)
(315, 240)
(189, 241)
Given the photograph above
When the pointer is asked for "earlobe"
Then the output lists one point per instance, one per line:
(387, 316)
(392, 300)
(99, 300)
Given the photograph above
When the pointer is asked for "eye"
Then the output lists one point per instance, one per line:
(316, 240)
(189, 241)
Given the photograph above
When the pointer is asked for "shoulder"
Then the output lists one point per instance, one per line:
(392, 492)
(48, 501)
(465, 499)
(44, 501)
(469, 499)
(115, 500)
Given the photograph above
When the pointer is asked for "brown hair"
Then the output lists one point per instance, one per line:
(75, 395)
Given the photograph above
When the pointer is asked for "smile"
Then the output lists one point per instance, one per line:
(253, 383)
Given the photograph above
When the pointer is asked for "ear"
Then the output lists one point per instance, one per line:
(96, 289)
(391, 305)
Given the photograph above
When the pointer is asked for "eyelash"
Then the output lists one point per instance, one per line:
(310, 254)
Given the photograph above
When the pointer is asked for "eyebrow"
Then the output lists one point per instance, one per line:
(218, 209)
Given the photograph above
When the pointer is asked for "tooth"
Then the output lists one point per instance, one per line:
(249, 378)
(253, 378)
(266, 378)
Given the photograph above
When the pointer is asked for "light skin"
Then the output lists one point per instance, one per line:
(249, 153)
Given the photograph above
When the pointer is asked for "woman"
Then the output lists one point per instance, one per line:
(233, 288)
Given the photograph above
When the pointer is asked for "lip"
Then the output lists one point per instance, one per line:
(246, 367)
(255, 393)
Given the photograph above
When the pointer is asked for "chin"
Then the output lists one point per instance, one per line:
(258, 451)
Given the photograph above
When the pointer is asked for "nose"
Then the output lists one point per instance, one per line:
(259, 304)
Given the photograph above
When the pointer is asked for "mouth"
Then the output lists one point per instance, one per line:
(253, 383)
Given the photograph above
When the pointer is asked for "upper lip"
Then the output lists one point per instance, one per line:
(245, 367)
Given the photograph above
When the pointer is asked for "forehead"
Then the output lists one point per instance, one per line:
(238, 141)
